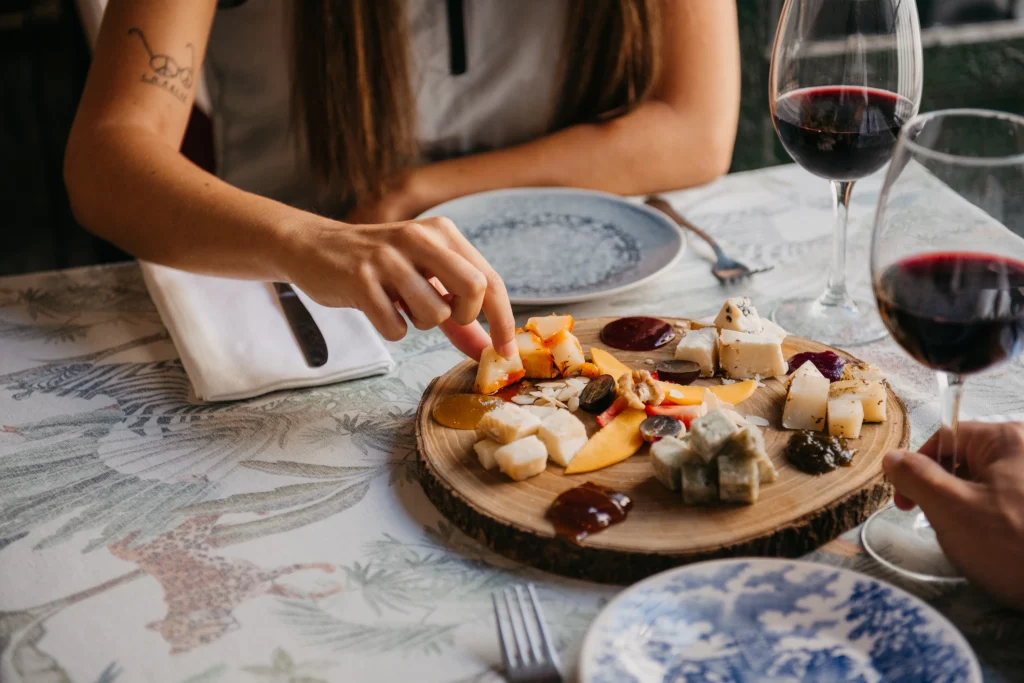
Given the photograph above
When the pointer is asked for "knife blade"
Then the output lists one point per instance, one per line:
(309, 337)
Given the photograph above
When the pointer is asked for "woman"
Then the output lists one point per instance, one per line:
(340, 121)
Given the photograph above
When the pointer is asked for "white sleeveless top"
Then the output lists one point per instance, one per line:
(506, 96)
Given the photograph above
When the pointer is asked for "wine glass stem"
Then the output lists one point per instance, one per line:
(951, 389)
(836, 294)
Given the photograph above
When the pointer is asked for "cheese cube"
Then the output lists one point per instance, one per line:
(743, 355)
(739, 314)
(568, 353)
(701, 347)
(548, 326)
(563, 435)
(495, 372)
(485, 451)
(699, 484)
(807, 401)
(543, 412)
(871, 394)
(522, 459)
(537, 359)
(862, 371)
(710, 432)
(770, 329)
(668, 456)
(507, 423)
(737, 480)
(845, 417)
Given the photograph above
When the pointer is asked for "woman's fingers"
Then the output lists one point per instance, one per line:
(496, 306)
(470, 339)
(466, 284)
(424, 304)
(381, 311)
(919, 479)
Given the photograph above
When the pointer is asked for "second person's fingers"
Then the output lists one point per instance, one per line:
(922, 480)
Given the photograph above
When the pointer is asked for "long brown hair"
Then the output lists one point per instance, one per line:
(352, 101)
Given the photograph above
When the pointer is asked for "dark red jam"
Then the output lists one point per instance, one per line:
(637, 334)
(829, 363)
(587, 509)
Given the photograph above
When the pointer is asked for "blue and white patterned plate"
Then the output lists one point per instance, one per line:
(753, 620)
(559, 245)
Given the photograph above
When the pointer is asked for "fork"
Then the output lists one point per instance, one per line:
(726, 269)
(526, 660)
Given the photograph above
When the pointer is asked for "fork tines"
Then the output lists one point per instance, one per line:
(525, 643)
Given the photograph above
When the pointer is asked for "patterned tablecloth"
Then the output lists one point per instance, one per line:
(146, 537)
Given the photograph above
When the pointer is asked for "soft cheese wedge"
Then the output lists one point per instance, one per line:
(738, 314)
(845, 417)
(700, 347)
(871, 394)
(807, 401)
(567, 352)
(508, 423)
(485, 451)
(538, 361)
(495, 372)
(744, 355)
(548, 326)
(522, 459)
(563, 435)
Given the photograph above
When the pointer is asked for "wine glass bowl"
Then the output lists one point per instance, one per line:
(845, 77)
(947, 263)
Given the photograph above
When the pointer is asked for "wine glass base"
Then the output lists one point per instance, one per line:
(846, 324)
(905, 543)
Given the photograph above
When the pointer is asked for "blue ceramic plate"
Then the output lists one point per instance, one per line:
(753, 620)
(558, 246)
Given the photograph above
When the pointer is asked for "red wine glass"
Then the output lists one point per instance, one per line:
(845, 76)
(947, 262)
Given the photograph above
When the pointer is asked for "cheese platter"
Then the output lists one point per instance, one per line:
(698, 442)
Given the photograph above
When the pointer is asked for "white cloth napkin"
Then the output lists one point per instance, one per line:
(235, 342)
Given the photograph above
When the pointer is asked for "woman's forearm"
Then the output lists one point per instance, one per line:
(129, 187)
(654, 148)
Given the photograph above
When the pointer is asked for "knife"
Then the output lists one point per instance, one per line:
(307, 334)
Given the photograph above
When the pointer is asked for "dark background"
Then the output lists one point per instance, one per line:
(974, 56)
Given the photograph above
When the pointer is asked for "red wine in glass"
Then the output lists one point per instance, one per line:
(954, 312)
(840, 132)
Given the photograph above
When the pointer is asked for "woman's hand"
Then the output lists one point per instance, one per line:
(979, 523)
(426, 267)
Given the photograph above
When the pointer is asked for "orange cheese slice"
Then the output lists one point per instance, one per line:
(613, 444)
(608, 364)
(691, 395)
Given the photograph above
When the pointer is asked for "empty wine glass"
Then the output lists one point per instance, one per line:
(947, 262)
(845, 77)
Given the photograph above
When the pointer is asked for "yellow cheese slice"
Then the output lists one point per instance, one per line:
(613, 444)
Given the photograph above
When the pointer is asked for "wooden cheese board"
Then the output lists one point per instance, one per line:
(793, 515)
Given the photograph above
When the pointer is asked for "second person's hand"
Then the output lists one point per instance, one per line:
(427, 267)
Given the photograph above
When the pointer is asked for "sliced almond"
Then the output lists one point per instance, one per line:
(524, 400)
(574, 404)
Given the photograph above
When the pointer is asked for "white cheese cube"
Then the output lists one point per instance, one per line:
(537, 359)
(495, 372)
(770, 329)
(522, 459)
(563, 435)
(744, 356)
(871, 394)
(699, 484)
(739, 314)
(485, 451)
(548, 326)
(845, 417)
(568, 353)
(807, 401)
(543, 412)
(710, 432)
(508, 423)
(700, 347)
(737, 480)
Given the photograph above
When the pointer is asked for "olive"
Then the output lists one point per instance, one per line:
(598, 394)
(658, 427)
(678, 371)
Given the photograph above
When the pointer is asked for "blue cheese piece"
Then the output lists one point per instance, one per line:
(748, 443)
(508, 423)
(770, 329)
(743, 355)
(738, 314)
(668, 456)
(738, 480)
(700, 347)
(699, 483)
(709, 433)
